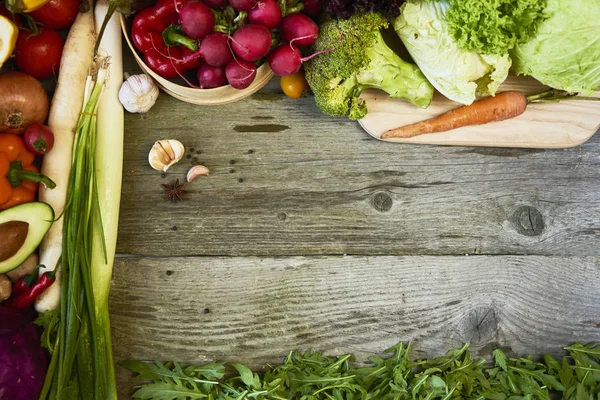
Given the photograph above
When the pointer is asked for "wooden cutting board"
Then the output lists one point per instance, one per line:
(545, 125)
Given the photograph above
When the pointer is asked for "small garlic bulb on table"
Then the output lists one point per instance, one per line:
(138, 93)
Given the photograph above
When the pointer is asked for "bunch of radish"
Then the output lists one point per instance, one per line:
(233, 57)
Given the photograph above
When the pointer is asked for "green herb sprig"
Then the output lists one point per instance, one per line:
(314, 376)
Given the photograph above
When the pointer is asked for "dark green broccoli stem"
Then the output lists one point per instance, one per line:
(388, 72)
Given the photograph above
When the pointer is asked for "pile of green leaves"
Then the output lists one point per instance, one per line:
(494, 26)
(314, 376)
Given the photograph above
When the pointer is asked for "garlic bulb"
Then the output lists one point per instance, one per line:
(138, 93)
(165, 153)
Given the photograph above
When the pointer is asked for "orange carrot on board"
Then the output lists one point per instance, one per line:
(505, 105)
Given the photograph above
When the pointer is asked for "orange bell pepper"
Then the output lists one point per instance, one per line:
(19, 179)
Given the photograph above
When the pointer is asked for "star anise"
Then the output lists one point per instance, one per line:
(174, 191)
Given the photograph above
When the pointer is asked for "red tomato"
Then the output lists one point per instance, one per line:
(57, 14)
(39, 55)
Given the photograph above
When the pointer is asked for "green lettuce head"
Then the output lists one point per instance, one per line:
(565, 52)
(460, 75)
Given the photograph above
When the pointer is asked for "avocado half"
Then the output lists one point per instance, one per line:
(22, 229)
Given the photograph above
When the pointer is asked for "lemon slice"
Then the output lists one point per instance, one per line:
(8, 38)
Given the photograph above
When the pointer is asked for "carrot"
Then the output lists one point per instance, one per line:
(505, 105)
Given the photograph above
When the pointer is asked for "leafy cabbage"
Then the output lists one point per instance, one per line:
(565, 52)
(458, 74)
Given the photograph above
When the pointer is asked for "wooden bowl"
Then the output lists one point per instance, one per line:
(209, 97)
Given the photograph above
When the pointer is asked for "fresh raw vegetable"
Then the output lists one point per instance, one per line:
(312, 375)
(25, 282)
(458, 74)
(360, 60)
(294, 85)
(265, 12)
(503, 106)
(5, 290)
(8, 38)
(57, 14)
(19, 178)
(91, 214)
(64, 115)
(240, 73)
(286, 59)
(21, 230)
(165, 153)
(147, 34)
(215, 49)
(344, 9)
(565, 52)
(138, 93)
(38, 138)
(495, 27)
(242, 5)
(298, 29)
(39, 55)
(23, 361)
(23, 101)
(211, 77)
(251, 42)
(24, 6)
(25, 299)
(196, 19)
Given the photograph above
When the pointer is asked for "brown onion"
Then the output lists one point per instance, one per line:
(23, 101)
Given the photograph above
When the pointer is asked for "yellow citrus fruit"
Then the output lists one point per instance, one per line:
(8, 38)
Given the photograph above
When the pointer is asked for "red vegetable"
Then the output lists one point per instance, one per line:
(57, 14)
(216, 3)
(251, 42)
(147, 33)
(266, 13)
(39, 139)
(196, 19)
(23, 101)
(313, 7)
(242, 5)
(39, 55)
(299, 30)
(286, 59)
(215, 49)
(26, 298)
(25, 282)
(211, 77)
(240, 73)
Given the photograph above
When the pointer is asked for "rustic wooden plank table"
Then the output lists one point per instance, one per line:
(308, 233)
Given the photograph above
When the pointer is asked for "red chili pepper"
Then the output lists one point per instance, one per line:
(167, 51)
(25, 282)
(26, 299)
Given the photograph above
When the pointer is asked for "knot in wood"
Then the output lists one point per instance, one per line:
(479, 326)
(382, 202)
(528, 221)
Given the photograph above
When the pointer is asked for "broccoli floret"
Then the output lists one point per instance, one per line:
(360, 60)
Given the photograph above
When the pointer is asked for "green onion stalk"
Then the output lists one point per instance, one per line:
(81, 365)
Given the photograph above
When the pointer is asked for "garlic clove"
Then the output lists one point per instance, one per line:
(138, 93)
(196, 171)
(165, 153)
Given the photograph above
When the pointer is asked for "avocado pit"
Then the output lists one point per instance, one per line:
(12, 238)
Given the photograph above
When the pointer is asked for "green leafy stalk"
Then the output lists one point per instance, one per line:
(77, 368)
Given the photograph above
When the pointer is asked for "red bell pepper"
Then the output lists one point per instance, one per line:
(153, 28)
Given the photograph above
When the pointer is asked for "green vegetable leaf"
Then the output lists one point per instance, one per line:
(500, 359)
(168, 391)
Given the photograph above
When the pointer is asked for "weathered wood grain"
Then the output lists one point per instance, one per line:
(254, 310)
(287, 180)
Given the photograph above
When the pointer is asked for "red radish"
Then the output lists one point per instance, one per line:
(312, 7)
(215, 49)
(211, 77)
(251, 42)
(38, 139)
(299, 30)
(267, 13)
(197, 19)
(242, 5)
(286, 59)
(240, 73)
(216, 3)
